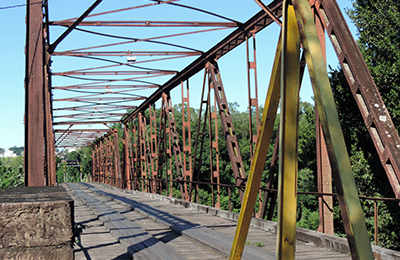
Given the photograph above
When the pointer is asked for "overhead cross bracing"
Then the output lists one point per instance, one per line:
(98, 72)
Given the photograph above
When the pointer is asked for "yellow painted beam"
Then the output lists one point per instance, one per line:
(288, 136)
(344, 181)
(260, 155)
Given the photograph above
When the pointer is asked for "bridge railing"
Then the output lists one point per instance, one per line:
(168, 186)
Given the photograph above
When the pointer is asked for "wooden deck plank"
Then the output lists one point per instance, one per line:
(138, 242)
(208, 230)
(95, 242)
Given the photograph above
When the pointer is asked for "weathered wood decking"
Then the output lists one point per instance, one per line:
(120, 225)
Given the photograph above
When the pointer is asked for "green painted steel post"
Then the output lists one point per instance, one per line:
(288, 135)
(356, 230)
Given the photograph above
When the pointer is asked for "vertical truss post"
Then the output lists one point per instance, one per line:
(111, 157)
(253, 101)
(352, 214)
(288, 135)
(214, 151)
(176, 149)
(149, 157)
(162, 145)
(101, 160)
(117, 160)
(113, 173)
(49, 135)
(107, 163)
(34, 156)
(136, 157)
(127, 164)
(94, 166)
(104, 160)
(93, 163)
(143, 151)
(200, 135)
(96, 163)
(227, 126)
(260, 155)
(111, 163)
(324, 173)
(186, 140)
(169, 156)
(153, 149)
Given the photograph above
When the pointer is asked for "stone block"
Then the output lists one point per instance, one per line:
(37, 221)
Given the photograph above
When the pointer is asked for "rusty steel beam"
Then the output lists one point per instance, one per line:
(324, 171)
(126, 176)
(79, 130)
(153, 150)
(99, 99)
(117, 159)
(374, 112)
(105, 87)
(53, 46)
(125, 53)
(186, 139)
(176, 148)
(34, 157)
(124, 9)
(257, 23)
(232, 144)
(86, 122)
(148, 23)
(91, 107)
(151, 39)
(114, 72)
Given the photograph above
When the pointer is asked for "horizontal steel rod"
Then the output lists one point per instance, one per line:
(125, 53)
(114, 73)
(106, 86)
(123, 9)
(99, 99)
(148, 23)
(86, 122)
(79, 108)
(79, 130)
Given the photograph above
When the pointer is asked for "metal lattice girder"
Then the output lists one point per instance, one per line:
(153, 149)
(186, 139)
(201, 129)
(176, 148)
(373, 110)
(227, 125)
(143, 151)
(127, 184)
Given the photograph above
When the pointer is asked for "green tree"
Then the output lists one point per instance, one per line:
(378, 25)
(17, 150)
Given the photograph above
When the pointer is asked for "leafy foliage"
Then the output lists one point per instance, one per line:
(378, 24)
(74, 174)
(11, 172)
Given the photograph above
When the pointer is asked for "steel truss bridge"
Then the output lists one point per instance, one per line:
(91, 67)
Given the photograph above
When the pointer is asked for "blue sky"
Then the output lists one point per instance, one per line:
(12, 28)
